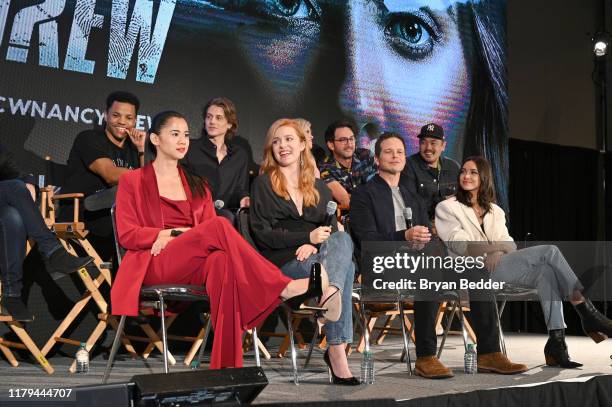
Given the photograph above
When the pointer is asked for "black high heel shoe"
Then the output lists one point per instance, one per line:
(555, 351)
(594, 324)
(315, 289)
(344, 381)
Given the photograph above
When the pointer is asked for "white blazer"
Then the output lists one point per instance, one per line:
(456, 222)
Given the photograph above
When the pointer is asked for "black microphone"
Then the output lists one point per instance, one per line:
(219, 204)
(408, 217)
(330, 212)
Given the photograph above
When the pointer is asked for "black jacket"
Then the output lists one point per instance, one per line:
(277, 226)
(431, 185)
(372, 217)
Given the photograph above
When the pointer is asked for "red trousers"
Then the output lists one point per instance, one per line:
(243, 286)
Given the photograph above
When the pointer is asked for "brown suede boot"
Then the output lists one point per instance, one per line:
(430, 367)
(497, 362)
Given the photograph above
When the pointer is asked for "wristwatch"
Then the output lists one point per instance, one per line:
(175, 232)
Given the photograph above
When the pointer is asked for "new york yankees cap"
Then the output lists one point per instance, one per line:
(432, 130)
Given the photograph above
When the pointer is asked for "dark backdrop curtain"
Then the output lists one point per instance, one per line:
(553, 196)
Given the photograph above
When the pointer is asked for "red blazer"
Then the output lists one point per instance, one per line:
(139, 220)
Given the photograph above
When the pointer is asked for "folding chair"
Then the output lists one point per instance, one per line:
(26, 343)
(510, 292)
(155, 297)
(72, 235)
(292, 317)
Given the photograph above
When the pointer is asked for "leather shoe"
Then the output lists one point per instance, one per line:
(15, 307)
(497, 362)
(430, 367)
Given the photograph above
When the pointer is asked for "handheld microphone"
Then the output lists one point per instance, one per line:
(219, 204)
(408, 217)
(330, 212)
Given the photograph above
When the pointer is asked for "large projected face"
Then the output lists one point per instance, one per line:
(393, 65)
(405, 62)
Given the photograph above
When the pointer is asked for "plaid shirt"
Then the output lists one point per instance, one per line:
(362, 169)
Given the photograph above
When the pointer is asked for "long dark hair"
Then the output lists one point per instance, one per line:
(486, 190)
(486, 131)
(197, 184)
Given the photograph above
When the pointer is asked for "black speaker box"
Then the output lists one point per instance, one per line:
(199, 387)
(104, 395)
(337, 403)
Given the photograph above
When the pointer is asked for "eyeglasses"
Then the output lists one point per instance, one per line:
(345, 140)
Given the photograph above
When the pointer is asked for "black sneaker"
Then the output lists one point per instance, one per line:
(61, 263)
(15, 307)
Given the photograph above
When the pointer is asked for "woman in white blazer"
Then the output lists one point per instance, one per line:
(472, 216)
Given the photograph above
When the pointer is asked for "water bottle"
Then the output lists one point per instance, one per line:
(82, 359)
(470, 360)
(367, 368)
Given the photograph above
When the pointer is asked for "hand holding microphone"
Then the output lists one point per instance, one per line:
(322, 233)
(415, 233)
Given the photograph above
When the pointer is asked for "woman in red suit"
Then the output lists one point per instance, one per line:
(167, 222)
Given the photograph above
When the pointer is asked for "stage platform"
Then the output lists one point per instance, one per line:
(392, 379)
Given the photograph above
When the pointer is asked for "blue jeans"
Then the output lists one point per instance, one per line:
(336, 256)
(19, 217)
(542, 267)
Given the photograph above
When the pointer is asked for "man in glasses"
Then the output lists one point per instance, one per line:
(346, 167)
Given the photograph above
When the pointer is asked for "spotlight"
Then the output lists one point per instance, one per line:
(601, 42)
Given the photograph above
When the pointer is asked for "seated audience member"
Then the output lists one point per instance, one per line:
(288, 223)
(167, 223)
(318, 153)
(377, 214)
(97, 159)
(472, 216)
(20, 219)
(217, 158)
(432, 175)
(346, 167)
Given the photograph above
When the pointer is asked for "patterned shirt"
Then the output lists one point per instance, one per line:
(362, 169)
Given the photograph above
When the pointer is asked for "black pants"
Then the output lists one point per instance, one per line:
(482, 318)
(19, 219)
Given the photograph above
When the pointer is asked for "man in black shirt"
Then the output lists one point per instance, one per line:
(434, 176)
(99, 157)
(215, 157)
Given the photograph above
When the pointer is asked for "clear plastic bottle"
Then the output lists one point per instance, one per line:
(367, 368)
(470, 360)
(82, 359)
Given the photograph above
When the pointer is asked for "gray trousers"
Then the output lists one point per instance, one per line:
(544, 268)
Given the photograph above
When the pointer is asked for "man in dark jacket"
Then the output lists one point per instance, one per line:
(433, 176)
(377, 214)
(19, 220)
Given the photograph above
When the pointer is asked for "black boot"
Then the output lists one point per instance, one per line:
(61, 263)
(15, 307)
(594, 324)
(555, 350)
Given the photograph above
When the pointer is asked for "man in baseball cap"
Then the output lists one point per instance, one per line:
(433, 175)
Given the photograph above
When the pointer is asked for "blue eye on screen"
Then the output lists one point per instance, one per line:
(411, 35)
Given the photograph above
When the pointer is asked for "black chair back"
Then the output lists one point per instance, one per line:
(244, 227)
(120, 250)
